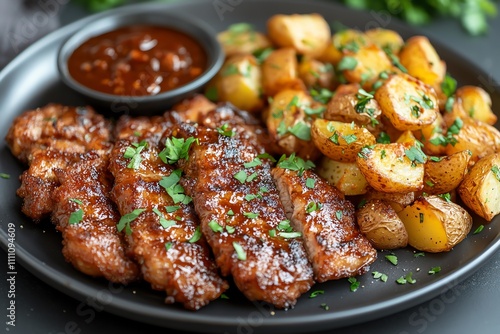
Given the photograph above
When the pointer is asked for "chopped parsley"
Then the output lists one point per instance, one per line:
(394, 59)
(313, 206)
(316, 293)
(133, 153)
(349, 139)
(174, 189)
(176, 149)
(496, 171)
(301, 130)
(325, 306)
(434, 270)
(383, 138)
(165, 223)
(310, 183)
(322, 96)
(295, 163)
(76, 216)
(448, 85)
(419, 254)
(262, 54)
(251, 215)
(406, 279)
(347, 63)
(231, 69)
(254, 163)
(392, 259)
(240, 252)
(479, 229)
(314, 111)
(172, 208)
(416, 155)
(125, 221)
(224, 130)
(4, 176)
(354, 284)
(446, 197)
(363, 98)
(196, 235)
(380, 276)
(241, 176)
(212, 94)
(339, 214)
(168, 245)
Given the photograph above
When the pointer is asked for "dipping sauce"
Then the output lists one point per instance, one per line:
(137, 61)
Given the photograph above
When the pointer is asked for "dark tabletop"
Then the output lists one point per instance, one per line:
(472, 306)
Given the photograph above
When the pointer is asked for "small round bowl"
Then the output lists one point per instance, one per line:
(149, 104)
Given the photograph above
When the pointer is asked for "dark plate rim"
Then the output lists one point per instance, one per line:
(151, 314)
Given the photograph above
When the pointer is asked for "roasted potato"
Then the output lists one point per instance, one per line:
(421, 60)
(407, 138)
(434, 224)
(365, 65)
(381, 225)
(480, 188)
(442, 175)
(407, 102)
(239, 82)
(345, 176)
(343, 41)
(317, 74)
(385, 38)
(280, 71)
(477, 137)
(353, 104)
(398, 201)
(241, 38)
(340, 141)
(289, 125)
(387, 168)
(308, 34)
(476, 102)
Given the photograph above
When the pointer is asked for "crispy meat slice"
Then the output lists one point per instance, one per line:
(334, 244)
(68, 129)
(91, 241)
(163, 237)
(239, 207)
(39, 181)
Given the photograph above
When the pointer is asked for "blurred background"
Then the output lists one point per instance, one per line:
(24, 21)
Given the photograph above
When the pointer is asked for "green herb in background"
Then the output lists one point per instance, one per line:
(473, 14)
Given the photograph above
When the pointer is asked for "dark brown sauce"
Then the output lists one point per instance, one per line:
(137, 61)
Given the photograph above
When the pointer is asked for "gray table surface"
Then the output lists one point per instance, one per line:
(474, 307)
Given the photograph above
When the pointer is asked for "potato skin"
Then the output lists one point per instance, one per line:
(345, 176)
(480, 188)
(308, 34)
(388, 169)
(381, 225)
(441, 177)
(435, 225)
(397, 98)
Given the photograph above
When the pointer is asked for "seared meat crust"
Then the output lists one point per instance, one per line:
(334, 244)
(169, 260)
(92, 245)
(67, 129)
(273, 269)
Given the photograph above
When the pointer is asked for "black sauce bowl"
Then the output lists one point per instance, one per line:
(149, 104)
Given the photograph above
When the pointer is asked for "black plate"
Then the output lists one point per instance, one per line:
(31, 81)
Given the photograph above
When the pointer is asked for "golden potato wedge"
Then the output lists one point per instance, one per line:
(388, 168)
(241, 38)
(435, 225)
(365, 65)
(429, 134)
(345, 176)
(398, 201)
(479, 138)
(480, 189)
(308, 34)
(351, 103)
(317, 74)
(340, 141)
(288, 124)
(280, 72)
(381, 225)
(239, 82)
(476, 102)
(348, 40)
(386, 38)
(422, 61)
(407, 138)
(407, 102)
(442, 175)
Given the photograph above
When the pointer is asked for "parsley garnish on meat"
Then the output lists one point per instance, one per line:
(240, 252)
(174, 189)
(76, 216)
(125, 221)
(295, 163)
(196, 235)
(176, 149)
(133, 152)
(165, 223)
